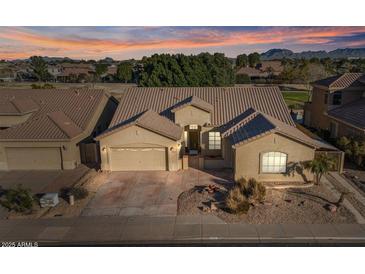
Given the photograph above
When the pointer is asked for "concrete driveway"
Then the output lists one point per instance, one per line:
(152, 193)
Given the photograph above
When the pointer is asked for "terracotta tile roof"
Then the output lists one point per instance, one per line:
(75, 71)
(150, 120)
(25, 105)
(252, 72)
(342, 81)
(77, 105)
(17, 106)
(238, 121)
(352, 113)
(227, 102)
(7, 108)
(258, 124)
(193, 101)
(65, 124)
(274, 66)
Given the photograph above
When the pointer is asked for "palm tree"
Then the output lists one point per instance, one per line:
(319, 166)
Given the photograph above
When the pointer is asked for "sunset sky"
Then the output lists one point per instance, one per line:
(134, 42)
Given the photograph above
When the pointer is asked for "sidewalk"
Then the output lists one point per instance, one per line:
(180, 230)
(355, 202)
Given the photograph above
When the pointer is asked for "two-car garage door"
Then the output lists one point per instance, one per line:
(147, 158)
(31, 158)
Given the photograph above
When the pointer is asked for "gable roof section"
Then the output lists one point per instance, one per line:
(352, 113)
(342, 81)
(193, 101)
(65, 124)
(149, 120)
(77, 105)
(258, 124)
(227, 102)
(237, 122)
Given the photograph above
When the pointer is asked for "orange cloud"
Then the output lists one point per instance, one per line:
(194, 38)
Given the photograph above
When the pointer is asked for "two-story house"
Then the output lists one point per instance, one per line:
(338, 105)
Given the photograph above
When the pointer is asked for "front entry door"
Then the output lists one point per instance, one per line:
(193, 140)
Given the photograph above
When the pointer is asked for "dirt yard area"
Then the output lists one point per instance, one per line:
(281, 206)
(81, 176)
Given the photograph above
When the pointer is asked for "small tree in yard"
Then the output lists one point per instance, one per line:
(319, 166)
(18, 199)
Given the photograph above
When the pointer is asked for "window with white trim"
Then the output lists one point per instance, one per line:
(273, 162)
(214, 140)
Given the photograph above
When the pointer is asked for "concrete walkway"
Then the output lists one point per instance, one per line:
(168, 230)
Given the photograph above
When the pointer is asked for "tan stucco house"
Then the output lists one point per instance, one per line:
(247, 129)
(52, 129)
(337, 106)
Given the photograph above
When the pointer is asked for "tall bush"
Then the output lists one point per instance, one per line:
(17, 199)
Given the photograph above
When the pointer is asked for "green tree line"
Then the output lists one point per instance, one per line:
(181, 70)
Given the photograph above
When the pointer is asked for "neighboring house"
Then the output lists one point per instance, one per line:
(338, 105)
(263, 70)
(54, 70)
(52, 129)
(271, 67)
(7, 74)
(110, 74)
(253, 73)
(70, 72)
(247, 129)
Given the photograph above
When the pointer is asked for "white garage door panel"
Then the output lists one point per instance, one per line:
(123, 159)
(33, 158)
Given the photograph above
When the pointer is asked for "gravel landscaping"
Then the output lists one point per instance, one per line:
(281, 206)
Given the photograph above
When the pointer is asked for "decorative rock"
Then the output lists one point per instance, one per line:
(332, 208)
(213, 206)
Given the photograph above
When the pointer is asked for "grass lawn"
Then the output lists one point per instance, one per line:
(295, 98)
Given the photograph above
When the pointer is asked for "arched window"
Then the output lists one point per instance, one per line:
(273, 162)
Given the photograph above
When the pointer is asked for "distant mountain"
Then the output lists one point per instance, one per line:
(334, 54)
(276, 54)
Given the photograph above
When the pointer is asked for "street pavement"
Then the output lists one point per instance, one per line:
(170, 230)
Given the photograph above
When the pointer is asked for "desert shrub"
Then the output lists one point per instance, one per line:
(236, 202)
(17, 199)
(78, 192)
(45, 86)
(252, 189)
